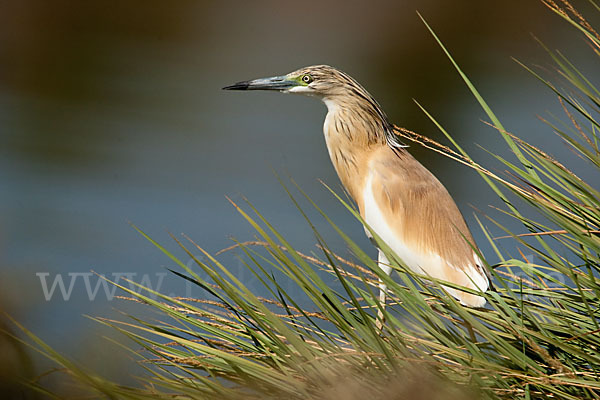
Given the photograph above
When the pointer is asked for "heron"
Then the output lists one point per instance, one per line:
(400, 200)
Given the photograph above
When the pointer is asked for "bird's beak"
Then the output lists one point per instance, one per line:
(280, 83)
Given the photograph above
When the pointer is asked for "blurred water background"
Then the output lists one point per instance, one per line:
(112, 112)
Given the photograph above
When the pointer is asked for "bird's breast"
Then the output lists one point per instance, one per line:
(349, 153)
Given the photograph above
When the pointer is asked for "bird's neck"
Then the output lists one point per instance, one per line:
(358, 120)
(353, 131)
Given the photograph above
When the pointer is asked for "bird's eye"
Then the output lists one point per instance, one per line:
(307, 78)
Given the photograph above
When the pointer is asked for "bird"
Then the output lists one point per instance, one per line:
(400, 200)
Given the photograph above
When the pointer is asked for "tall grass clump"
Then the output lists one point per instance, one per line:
(538, 337)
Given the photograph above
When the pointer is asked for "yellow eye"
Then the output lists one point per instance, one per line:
(307, 79)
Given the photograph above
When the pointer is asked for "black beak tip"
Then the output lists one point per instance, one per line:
(237, 86)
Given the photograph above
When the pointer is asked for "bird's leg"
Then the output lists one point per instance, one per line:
(384, 264)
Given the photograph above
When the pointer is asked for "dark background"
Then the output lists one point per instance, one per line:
(112, 111)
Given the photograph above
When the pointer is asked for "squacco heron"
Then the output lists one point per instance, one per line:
(398, 198)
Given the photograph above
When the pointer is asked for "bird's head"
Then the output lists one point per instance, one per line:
(337, 89)
(318, 80)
